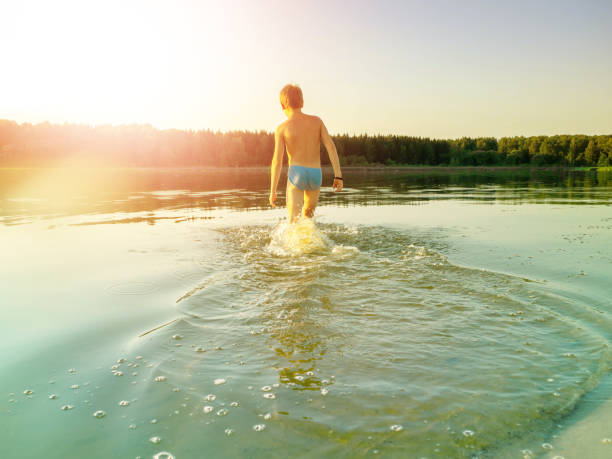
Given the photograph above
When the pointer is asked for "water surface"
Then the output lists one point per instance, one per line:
(426, 315)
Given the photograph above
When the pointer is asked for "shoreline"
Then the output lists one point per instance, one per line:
(371, 168)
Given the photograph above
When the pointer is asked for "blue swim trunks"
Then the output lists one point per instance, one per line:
(305, 178)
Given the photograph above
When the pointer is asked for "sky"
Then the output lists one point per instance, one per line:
(441, 69)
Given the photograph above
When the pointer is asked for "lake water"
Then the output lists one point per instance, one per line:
(426, 315)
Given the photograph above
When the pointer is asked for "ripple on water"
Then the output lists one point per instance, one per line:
(455, 353)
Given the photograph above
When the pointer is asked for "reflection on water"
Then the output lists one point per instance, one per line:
(223, 333)
(135, 195)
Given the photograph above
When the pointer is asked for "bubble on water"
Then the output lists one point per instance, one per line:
(207, 409)
(210, 397)
(396, 427)
(299, 378)
(266, 388)
(468, 433)
(66, 407)
(570, 355)
(53, 396)
(153, 421)
(74, 386)
(550, 380)
(309, 373)
(132, 426)
(275, 385)
(547, 446)
(99, 414)
(135, 373)
(121, 360)
(234, 404)
(527, 453)
(28, 392)
(72, 370)
(200, 349)
(124, 403)
(219, 381)
(229, 432)
(160, 378)
(325, 381)
(222, 412)
(139, 357)
(114, 367)
(177, 337)
(267, 416)
(556, 394)
(118, 373)
(324, 391)
(269, 395)
(163, 455)
(558, 457)
(259, 427)
(155, 439)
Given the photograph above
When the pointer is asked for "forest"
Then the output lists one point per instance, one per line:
(46, 144)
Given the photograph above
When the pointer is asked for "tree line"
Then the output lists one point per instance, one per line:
(47, 144)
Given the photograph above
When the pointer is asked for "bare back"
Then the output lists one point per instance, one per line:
(302, 135)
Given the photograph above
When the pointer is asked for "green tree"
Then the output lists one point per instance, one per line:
(591, 153)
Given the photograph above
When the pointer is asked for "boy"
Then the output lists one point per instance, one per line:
(301, 135)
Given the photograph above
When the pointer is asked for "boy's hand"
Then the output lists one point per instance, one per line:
(337, 186)
(272, 199)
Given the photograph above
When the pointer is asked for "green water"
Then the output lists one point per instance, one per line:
(438, 315)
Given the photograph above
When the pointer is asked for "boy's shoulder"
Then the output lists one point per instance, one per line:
(315, 118)
(281, 127)
(284, 125)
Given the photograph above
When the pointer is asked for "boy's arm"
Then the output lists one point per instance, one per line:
(333, 157)
(277, 163)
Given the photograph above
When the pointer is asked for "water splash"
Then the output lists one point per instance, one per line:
(299, 238)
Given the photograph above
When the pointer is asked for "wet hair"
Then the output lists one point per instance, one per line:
(291, 96)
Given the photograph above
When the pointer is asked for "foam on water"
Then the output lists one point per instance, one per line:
(299, 238)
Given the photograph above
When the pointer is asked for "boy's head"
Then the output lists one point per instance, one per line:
(291, 97)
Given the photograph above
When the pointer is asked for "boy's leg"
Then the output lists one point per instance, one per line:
(311, 198)
(295, 200)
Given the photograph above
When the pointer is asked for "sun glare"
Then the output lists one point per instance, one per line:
(117, 62)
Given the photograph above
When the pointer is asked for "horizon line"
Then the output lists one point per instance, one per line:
(221, 131)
